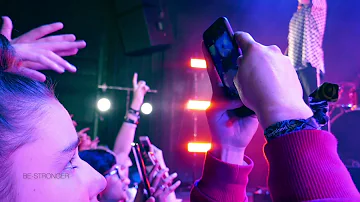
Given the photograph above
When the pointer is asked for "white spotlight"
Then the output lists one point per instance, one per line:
(146, 108)
(104, 104)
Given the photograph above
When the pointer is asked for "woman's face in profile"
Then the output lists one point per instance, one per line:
(50, 169)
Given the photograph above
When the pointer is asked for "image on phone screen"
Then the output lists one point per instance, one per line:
(224, 55)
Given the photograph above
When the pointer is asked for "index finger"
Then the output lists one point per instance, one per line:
(83, 130)
(135, 78)
(39, 32)
(153, 171)
(244, 41)
(60, 46)
(155, 182)
(58, 38)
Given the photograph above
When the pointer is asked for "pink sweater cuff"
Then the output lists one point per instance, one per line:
(222, 181)
(305, 166)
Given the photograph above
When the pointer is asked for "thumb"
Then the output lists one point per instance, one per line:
(244, 41)
(6, 27)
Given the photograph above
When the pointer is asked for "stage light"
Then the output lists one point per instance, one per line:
(103, 104)
(198, 63)
(199, 147)
(146, 108)
(198, 105)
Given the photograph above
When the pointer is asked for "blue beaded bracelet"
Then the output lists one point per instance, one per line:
(289, 126)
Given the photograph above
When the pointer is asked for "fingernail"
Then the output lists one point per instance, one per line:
(72, 67)
(174, 175)
(59, 24)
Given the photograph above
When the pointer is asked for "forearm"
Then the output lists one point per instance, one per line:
(126, 133)
(314, 8)
(304, 165)
(317, 4)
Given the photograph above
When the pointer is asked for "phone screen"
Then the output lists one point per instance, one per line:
(223, 51)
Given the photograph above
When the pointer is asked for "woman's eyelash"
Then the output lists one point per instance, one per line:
(70, 164)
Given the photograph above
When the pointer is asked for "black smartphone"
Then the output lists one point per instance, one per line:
(141, 168)
(218, 39)
(147, 154)
(220, 43)
(145, 143)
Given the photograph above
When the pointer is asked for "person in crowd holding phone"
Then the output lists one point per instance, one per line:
(105, 162)
(303, 161)
(37, 134)
(127, 131)
(125, 137)
(306, 34)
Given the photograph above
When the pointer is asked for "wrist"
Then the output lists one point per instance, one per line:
(272, 115)
(136, 105)
(228, 154)
(304, 2)
(132, 116)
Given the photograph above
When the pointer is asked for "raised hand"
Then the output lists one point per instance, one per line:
(228, 131)
(140, 90)
(83, 132)
(37, 52)
(158, 156)
(162, 187)
(94, 143)
(85, 140)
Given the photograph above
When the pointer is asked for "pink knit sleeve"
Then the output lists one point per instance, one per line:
(305, 166)
(222, 181)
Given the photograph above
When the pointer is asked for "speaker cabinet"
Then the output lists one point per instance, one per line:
(144, 27)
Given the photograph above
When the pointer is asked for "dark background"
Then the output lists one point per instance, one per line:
(170, 125)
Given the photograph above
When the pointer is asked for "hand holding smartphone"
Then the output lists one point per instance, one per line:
(224, 52)
(149, 155)
(141, 168)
